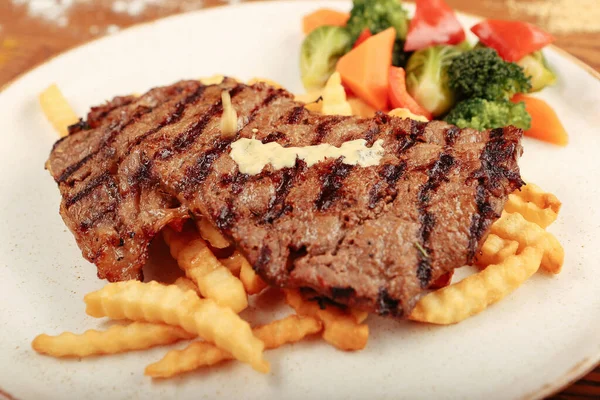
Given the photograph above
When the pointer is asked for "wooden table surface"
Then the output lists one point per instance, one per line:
(31, 33)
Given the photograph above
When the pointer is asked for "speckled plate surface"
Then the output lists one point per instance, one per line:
(536, 340)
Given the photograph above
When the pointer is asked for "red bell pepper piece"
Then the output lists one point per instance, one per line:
(513, 40)
(434, 23)
(399, 96)
(364, 35)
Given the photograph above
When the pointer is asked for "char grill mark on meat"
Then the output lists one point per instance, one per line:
(197, 173)
(114, 131)
(498, 152)
(436, 176)
(332, 184)
(325, 127)
(285, 181)
(295, 115)
(372, 238)
(389, 175)
(172, 118)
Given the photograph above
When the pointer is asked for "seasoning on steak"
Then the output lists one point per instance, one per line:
(373, 237)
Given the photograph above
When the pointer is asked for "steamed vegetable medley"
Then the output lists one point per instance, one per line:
(425, 65)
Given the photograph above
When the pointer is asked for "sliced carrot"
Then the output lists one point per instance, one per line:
(364, 35)
(545, 124)
(365, 68)
(323, 16)
(399, 96)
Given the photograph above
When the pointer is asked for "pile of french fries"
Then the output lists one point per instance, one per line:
(203, 307)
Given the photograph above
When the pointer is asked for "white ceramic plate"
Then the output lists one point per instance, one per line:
(528, 345)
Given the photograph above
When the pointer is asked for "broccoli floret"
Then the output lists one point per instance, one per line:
(427, 78)
(377, 15)
(483, 114)
(399, 56)
(320, 52)
(483, 74)
(536, 67)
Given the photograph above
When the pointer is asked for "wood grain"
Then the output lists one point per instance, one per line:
(27, 41)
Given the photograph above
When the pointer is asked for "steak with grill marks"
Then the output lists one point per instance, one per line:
(373, 237)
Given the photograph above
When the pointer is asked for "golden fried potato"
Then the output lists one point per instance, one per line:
(116, 339)
(534, 205)
(252, 282)
(234, 262)
(290, 329)
(57, 109)
(213, 279)
(211, 234)
(340, 329)
(153, 302)
(360, 108)
(512, 226)
(313, 101)
(185, 284)
(405, 113)
(495, 250)
(475, 293)
(334, 97)
(199, 354)
(212, 80)
(269, 82)
(359, 315)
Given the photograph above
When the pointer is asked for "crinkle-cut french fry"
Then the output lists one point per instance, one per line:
(234, 262)
(116, 339)
(290, 329)
(153, 302)
(57, 109)
(269, 82)
(194, 356)
(475, 293)
(512, 226)
(405, 113)
(495, 250)
(534, 194)
(334, 97)
(340, 329)
(211, 234)
(184, 283)
(530, 211)
(313, 101)
(252, 282)
(534, 205)
(359, 315)
(212, 80)
(200, 354)
(214, 280)
(360, 108)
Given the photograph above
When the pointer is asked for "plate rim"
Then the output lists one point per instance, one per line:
(576, 372)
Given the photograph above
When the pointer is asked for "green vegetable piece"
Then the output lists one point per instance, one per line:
(483, 114)
(377, 15)
(537, 69)
(399, 56)
(483, 74)
(319, 54)
(427, 77)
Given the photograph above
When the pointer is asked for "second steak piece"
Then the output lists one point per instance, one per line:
(373, 238)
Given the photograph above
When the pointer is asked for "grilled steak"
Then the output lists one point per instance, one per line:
(373, 237)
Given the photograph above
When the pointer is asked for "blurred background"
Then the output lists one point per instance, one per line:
(32, 31)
